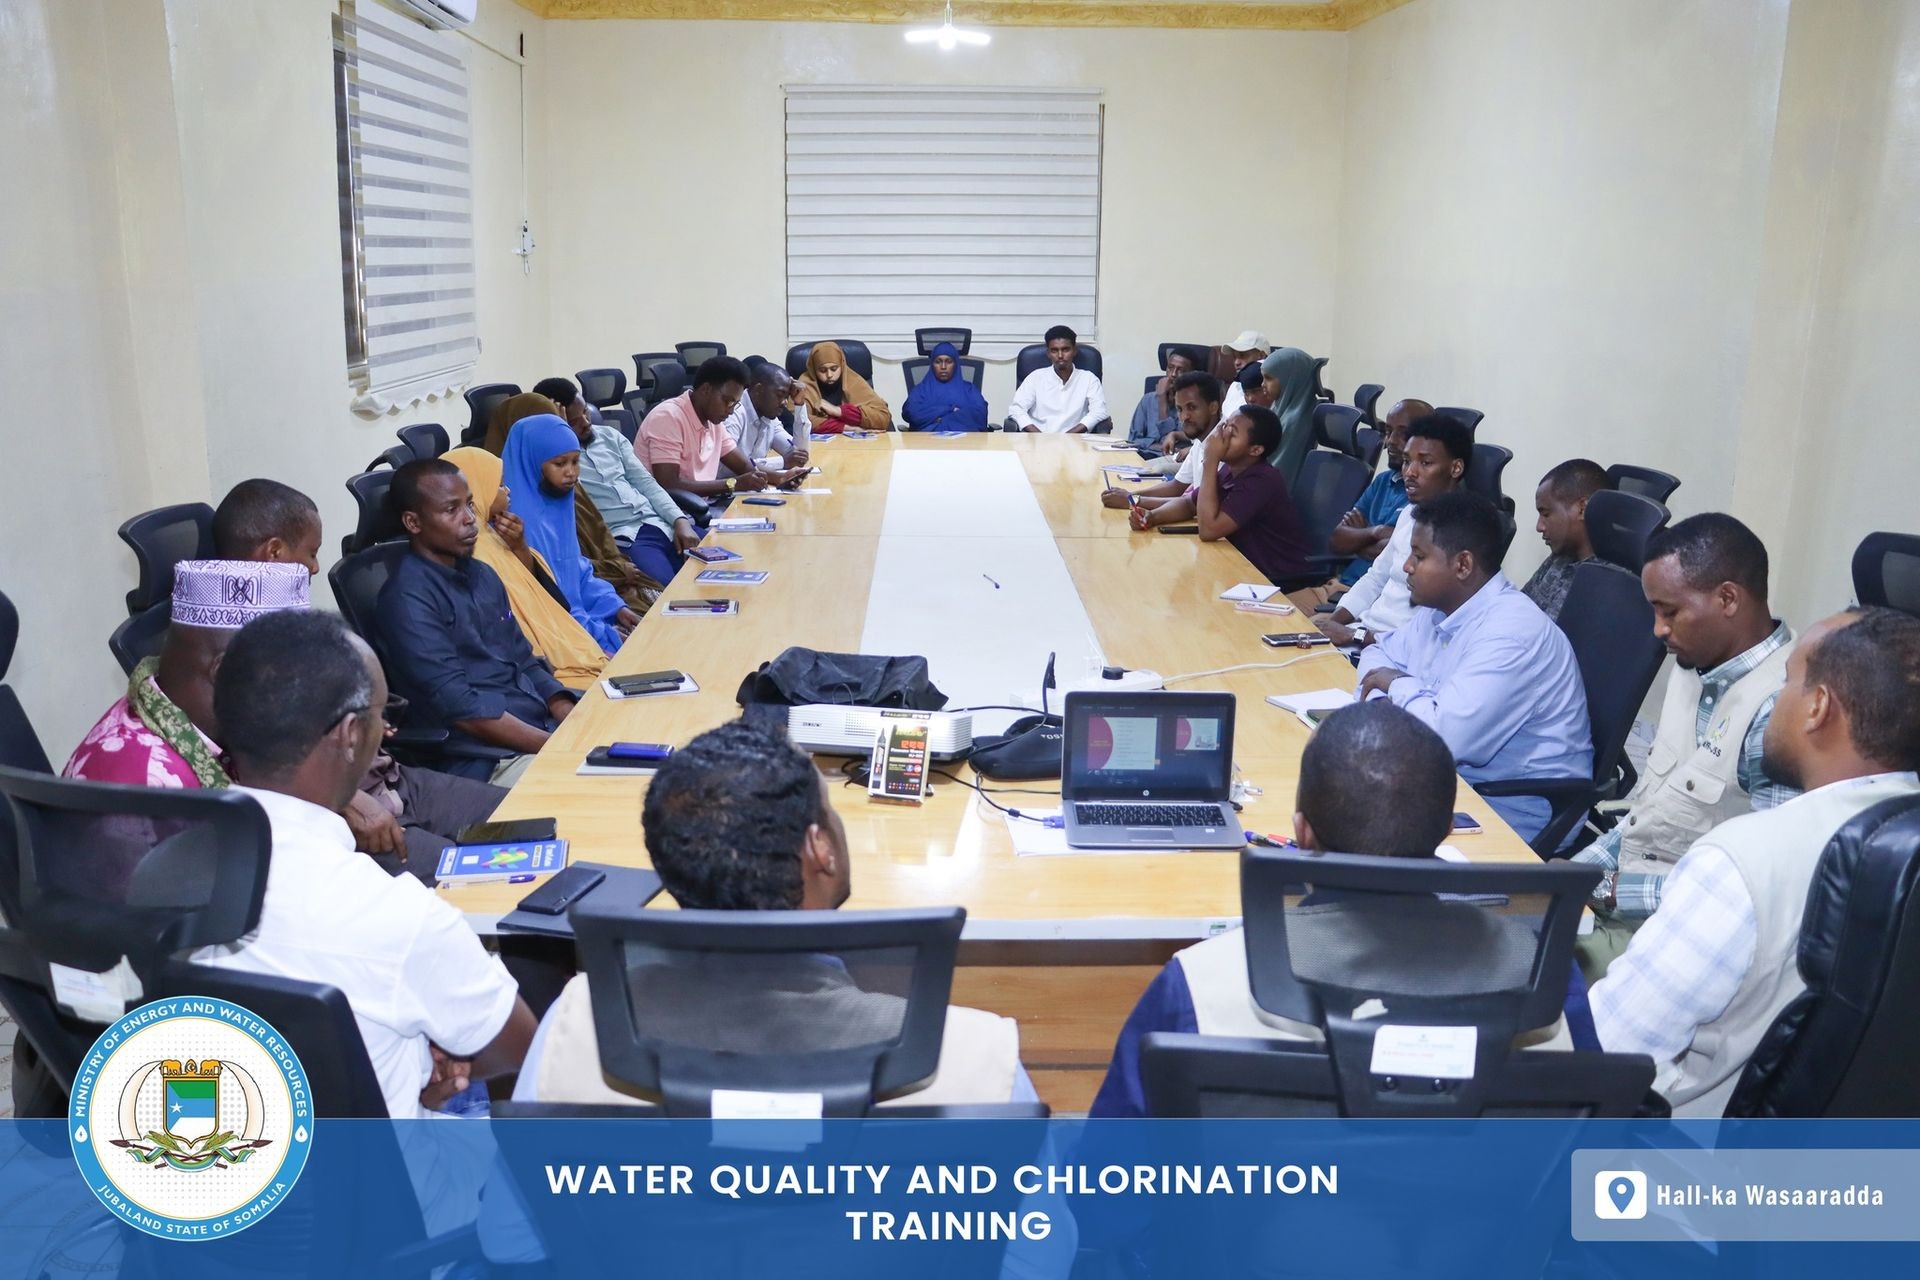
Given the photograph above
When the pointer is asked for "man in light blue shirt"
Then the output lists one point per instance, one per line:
(1480, 663)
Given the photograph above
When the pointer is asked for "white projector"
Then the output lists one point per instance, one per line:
(852, 731)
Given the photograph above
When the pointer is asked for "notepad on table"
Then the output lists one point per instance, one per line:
(1253, 592)
(1311, 707)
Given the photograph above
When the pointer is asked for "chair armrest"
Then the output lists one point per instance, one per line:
(417, 739)
(1546, 788)
(1570, 798)
(1009, 425)
(692, 505)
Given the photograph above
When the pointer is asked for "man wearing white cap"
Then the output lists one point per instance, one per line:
(163, 732)
(1250, 347)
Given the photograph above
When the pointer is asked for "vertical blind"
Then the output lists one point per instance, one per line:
(933, 205)
(406, 206)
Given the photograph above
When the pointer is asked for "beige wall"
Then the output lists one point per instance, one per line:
(667, 138)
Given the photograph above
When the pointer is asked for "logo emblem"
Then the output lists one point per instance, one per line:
(191, 1118)
(1619, 1195)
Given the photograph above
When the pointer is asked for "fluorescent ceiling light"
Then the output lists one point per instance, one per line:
(946, 35)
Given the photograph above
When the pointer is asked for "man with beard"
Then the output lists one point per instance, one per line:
(1704, 979)
(1706, 579)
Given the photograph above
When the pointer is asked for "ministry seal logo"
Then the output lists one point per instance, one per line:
(191, 1118)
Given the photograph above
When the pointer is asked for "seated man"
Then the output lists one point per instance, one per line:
(1561, 501)
(683, 440)
(756, 427)
(1062, 396)
(1706, 579)
(264, 520)
(1703, 979)
(1480, 663)
(1196, 405)
(1243, 353)
(299, 700)
(1364, 532)
(740, 820)
(645, 523)
(455, 650)
(1438, 451)
(1373, 780)
(1155, 426)
(1240, 498)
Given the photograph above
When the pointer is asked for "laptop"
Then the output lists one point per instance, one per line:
(1149, 770)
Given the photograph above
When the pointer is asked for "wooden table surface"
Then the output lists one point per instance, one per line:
(1153, 600)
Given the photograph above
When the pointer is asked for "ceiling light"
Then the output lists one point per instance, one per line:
(946, 35)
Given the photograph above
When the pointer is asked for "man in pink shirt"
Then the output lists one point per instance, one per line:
(683, 441)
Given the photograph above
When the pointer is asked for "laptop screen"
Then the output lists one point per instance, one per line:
(1149, 745)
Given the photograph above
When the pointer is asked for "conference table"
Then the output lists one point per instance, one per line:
(985, 553)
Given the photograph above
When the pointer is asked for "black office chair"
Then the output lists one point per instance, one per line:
(1198, 353)
(1644, 481)
(1365, 397)
(160, 539)
(1334, 426)
(644, 365)
(1497, 959)
(623, 421)
(482, 401)
(376, 520)
(603, 388)
(1846, 1045)
(1320, 390)
(637, 407)
(1328, 485)
(19, 745)
(142, 636)
(669, 380)
(925, 340)
(1609, 623)
(1468, 418)
(425, 439)
(1508, 528)
(695, 354)
(1483, 474)
(1034, 356)
(859, 357)
(1886, 571)
(914, 368)
(1619, 524)
(1368, 444)
(393, 457)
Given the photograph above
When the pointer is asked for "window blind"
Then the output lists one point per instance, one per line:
(406, 207)
(916, 206)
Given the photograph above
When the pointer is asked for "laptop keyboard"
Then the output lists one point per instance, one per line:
(1147, 815)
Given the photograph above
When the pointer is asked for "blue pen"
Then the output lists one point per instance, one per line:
(521, 879)
(1268, 842)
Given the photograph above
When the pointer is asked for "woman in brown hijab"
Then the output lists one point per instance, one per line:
(837, 397)
(610, 563)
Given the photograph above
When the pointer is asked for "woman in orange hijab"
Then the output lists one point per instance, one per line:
(837, 397)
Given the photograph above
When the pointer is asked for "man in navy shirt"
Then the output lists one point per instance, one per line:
(452, 645)
(1373, 780)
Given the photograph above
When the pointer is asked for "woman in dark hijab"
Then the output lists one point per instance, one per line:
(943, 400)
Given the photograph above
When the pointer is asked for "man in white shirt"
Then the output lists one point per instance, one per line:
(1438, 451)
(1707, 974)
(756, 425)
(1060, 397)
(1196, 407)
(299, 701)
(1247, 351)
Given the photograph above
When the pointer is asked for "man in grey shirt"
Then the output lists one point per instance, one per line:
(648, 525)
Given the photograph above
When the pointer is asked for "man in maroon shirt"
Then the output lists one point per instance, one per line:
(1241, 498)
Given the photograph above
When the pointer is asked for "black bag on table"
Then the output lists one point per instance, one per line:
(800, 676)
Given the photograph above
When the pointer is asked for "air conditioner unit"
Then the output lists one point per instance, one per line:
(441, 15)
(852, 731)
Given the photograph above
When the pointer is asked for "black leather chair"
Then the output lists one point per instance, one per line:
(859, 357)
(1328, 485)
(19, 745)
(481, 402)
(1847, 1044)
(925, 340)
(914, 368)
(669, 380)
(603, 388)
(1619, 524)
(142, 636)
(1886, 571)
(1468, 418)
(1034, 356)
(393, 457)
(1199, 353)
(424, 439)
(376, 521)
(160, 539)
(623, 421)
(1483, 474)
(1609, 623)
(1366, 397)
(1644, 481)
(637, 406)
(695, 354)
(644, 364)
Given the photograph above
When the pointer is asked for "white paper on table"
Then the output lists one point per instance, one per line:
(810, 493)
(1257, 592)
(1312, 700)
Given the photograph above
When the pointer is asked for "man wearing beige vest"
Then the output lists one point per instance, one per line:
(1706, 579)
(740, 820)
(1704, 979)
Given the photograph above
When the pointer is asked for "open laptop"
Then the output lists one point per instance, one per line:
(1149, 770)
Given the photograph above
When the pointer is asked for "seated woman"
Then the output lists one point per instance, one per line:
(1287, 375)
(540, 468)
(539, 605)
(943, 400)
(837, 397)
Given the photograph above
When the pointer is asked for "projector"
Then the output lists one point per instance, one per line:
(852, 731)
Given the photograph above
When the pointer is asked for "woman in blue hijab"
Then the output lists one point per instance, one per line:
(943, 400)
(539, 467)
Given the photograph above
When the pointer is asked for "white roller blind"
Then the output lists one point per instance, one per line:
(909, 207)
(406, 182)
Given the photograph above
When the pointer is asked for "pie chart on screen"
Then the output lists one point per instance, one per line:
(1099, 742)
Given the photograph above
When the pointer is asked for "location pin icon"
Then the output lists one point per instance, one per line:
(1621, 1192)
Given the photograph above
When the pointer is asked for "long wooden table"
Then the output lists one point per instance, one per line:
(1063, 944)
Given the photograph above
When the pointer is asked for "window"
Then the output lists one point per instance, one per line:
(406, 207)
(912, 207)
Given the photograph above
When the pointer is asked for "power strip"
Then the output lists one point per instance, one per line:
(1124, 681)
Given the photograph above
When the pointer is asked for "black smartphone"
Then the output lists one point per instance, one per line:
(1295, 639)
(647, 680)
(514, 832)
(765, 502)
(1466, 824)
(566, 887)
(1179, 528)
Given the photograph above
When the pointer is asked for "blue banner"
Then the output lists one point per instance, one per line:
(1100, 1199)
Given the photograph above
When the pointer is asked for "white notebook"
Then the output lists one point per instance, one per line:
(1306, 705)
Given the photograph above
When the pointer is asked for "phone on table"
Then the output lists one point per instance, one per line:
(1179, 528)
(1295, 640)
(516, 831)
(765, 502)
(567, 886)
(711, 555)
(1465, 824)
(648, 681)
(655, 752)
